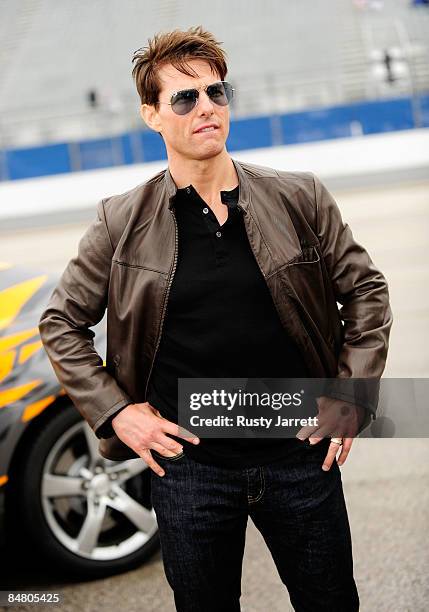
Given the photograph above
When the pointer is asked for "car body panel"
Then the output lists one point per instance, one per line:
(28, 384)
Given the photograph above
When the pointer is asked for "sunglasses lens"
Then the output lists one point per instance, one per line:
(184, 101)
(220, 93)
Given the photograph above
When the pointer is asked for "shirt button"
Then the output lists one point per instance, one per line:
(205, 210)
(218, 234)
(188, 190)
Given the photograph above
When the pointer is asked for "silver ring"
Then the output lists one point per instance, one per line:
(338, 441)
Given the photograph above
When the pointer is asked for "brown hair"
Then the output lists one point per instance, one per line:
(175, 48)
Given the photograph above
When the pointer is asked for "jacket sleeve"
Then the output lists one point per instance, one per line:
(78, 302)
(106, 429)
(362, 291)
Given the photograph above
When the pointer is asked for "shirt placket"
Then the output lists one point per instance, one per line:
(218, 232)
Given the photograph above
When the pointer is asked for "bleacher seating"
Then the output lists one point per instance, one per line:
(283, 57)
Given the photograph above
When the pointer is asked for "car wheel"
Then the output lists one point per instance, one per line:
(90, 515)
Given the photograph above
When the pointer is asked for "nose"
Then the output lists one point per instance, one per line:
(205, 106)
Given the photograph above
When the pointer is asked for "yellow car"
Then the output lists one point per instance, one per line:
(49, 460)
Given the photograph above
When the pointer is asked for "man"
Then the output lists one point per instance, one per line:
(216, 268)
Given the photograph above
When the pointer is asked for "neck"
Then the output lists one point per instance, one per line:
(208, 176)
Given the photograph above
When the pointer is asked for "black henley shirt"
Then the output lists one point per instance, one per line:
(220, 322)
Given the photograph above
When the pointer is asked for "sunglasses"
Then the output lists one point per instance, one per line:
(182, 102)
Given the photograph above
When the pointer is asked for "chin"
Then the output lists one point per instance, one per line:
(200, 153)
(208, 152)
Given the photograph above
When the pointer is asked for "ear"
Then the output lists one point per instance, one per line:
(151, 117)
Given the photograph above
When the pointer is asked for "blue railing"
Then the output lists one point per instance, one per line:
(253, 132)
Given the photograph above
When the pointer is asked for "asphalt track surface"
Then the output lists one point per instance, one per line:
(386, 482)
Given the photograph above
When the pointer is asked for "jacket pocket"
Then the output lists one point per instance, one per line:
(304, 280)
(308, 255)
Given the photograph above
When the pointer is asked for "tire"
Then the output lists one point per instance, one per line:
(88, 515)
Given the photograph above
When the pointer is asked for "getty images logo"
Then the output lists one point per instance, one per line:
(229, 401)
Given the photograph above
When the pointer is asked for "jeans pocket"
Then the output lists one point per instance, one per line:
(323, 444)
(304, 443)
(173, 458)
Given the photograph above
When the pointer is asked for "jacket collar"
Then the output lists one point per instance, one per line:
(243, 182)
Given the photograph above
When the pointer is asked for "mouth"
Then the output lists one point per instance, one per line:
(207, 129)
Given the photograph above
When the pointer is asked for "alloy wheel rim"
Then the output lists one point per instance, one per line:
(87, 500)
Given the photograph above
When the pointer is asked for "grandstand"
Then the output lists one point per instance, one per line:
(284, 57)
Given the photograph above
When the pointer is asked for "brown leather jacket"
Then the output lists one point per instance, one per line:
(126, 261)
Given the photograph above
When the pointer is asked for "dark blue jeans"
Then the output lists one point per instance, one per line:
(299, 509)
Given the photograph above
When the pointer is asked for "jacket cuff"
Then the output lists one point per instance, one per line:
(359, 391)
(106, 430)
(103, 427)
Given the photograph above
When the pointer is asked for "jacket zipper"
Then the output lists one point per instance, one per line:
(167, 293)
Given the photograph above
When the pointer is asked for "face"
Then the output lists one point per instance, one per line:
(180, 131)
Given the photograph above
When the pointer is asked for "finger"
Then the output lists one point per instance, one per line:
(168, 446)
(330, 456)
(146, 455)
(320, 430)
(350, 429)
(179, 432)
(341, 429)
(318, 435)
(345, 449)
(330, 427)
(306, 431)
